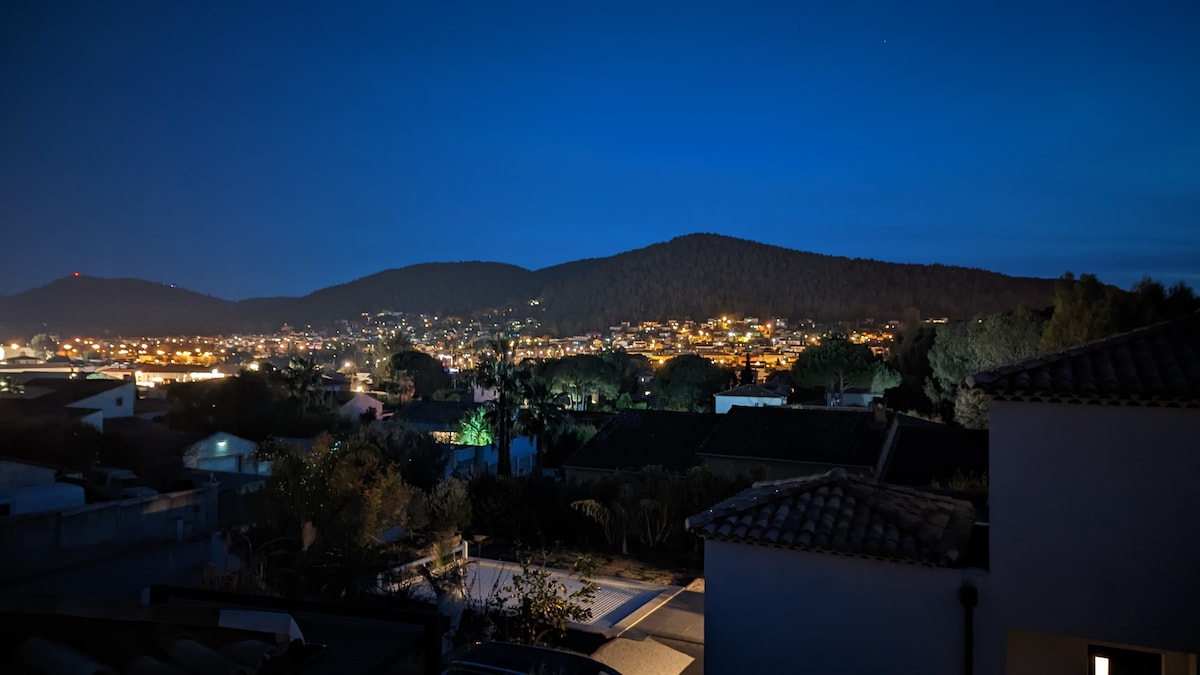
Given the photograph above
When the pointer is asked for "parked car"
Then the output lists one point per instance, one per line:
(506, 658)
(108, 483)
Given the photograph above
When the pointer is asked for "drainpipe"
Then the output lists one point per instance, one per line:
(968, 595)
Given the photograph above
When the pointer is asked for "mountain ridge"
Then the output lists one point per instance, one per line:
(691, 276)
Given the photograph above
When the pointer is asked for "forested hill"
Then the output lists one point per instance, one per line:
(705, 275)
(696, 276)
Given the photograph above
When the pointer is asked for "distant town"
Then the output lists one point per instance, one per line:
(771, 344)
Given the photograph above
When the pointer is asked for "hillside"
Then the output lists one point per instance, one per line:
(109, 307)
(705, 275)
(695, 276)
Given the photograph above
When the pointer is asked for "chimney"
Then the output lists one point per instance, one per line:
(878, 411)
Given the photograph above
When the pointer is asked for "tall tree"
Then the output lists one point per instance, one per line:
(43, 345)
(427, 373)
(583, 377)
(838, 364)
(961, 349)
(303, 379)
(496, 370)
(689, 382)
(539, 412)
(1083, 312)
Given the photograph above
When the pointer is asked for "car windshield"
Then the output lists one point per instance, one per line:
(130, 483)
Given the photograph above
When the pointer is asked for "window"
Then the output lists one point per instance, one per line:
(1115, 661)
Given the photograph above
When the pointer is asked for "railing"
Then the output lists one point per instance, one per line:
(403, 577)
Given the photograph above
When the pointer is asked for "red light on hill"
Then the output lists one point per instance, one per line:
(77, 274)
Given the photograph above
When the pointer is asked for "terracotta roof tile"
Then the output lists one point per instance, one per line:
(1158, 366)
(839, 513)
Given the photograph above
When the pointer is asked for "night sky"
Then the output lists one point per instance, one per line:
(251, 148)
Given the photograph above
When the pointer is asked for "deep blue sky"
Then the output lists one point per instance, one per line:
(252, 148)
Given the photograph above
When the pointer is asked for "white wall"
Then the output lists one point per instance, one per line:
(769, 610)
(114, 403)
(1094, 522)
(724, 403)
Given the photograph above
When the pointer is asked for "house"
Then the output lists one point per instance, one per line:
(777, 442)
(770, 442)
(836, 573)
(470, 460)
(1083, 564)
(751, 395)
(226, 452)
(153, 443)
(1094, 527)
(638, 438)
(58, 399)
(353, 405)
(22, 360)
(851, 397)
(440, 418)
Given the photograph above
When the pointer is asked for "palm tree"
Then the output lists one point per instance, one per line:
(497, 371)
(303, 379)
(539, 411)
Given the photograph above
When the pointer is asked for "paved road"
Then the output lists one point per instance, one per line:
(679, 624)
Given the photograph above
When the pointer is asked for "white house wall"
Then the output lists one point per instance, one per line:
(1093, 522)
(769, 610)
(724, 403)
(114, 403)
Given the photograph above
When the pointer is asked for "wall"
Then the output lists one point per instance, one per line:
(59, 539)
(1093, 522)
(769, 610)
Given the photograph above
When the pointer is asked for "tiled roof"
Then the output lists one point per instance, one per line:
(1158, 366)
(638, 438)
(838, 437)
(751, 391)
(839, 513)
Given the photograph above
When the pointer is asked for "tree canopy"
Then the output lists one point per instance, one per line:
(689, 382)
(838, 364)
(427, 374)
